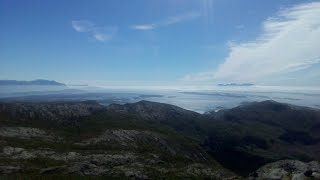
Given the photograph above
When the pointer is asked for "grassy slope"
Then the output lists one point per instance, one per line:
(241, 139)
(94, 125)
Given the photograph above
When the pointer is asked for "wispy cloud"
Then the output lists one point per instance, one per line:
(104, 34)
(82, 26)
(167, 21)
(289, 43)
(144, 27)
(101, 34)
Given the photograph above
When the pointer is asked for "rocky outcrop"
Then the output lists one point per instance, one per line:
(25, 133)
(288, 170)
(123, 164)
(21, 153)
(132, 138)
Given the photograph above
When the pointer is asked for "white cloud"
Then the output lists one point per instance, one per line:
(143, 27)
(104, 34)
(101, 34)
(290, 42)
(168, 21)
(82, 26)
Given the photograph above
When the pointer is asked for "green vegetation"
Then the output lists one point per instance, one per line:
(163, 136)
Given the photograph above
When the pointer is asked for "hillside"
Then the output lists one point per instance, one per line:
(88, 139)
(147, 139)
(257, 133)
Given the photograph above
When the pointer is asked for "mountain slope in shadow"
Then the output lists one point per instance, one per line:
(256, 133)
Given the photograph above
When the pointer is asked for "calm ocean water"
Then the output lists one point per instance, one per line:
(200, 100)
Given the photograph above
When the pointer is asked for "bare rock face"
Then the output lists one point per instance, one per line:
(288, 170)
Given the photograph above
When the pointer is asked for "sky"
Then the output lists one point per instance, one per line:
(166, 43)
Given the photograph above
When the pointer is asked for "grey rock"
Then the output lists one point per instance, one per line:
(287, 170)
(25, 133)
(132, 138)
(316, 174)
(12, 150)
(20, 153)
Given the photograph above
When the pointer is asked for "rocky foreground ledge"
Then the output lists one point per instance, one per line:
(287, 170)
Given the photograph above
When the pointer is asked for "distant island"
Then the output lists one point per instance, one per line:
(236, 84)
(39, 82)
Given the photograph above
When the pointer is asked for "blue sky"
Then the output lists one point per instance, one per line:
(167, 42)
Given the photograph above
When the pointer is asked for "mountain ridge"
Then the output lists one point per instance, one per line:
(240, 139)
(41, 82)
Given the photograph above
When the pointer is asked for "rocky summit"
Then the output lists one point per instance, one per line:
(148, 140)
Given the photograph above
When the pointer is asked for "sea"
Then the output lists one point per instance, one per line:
(199, 99)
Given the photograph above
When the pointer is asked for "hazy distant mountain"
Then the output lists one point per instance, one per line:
(27, 83)
(236, 84)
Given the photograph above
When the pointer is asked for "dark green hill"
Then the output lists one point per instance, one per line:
(141, 140)
(253, 134)
(150, 139)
